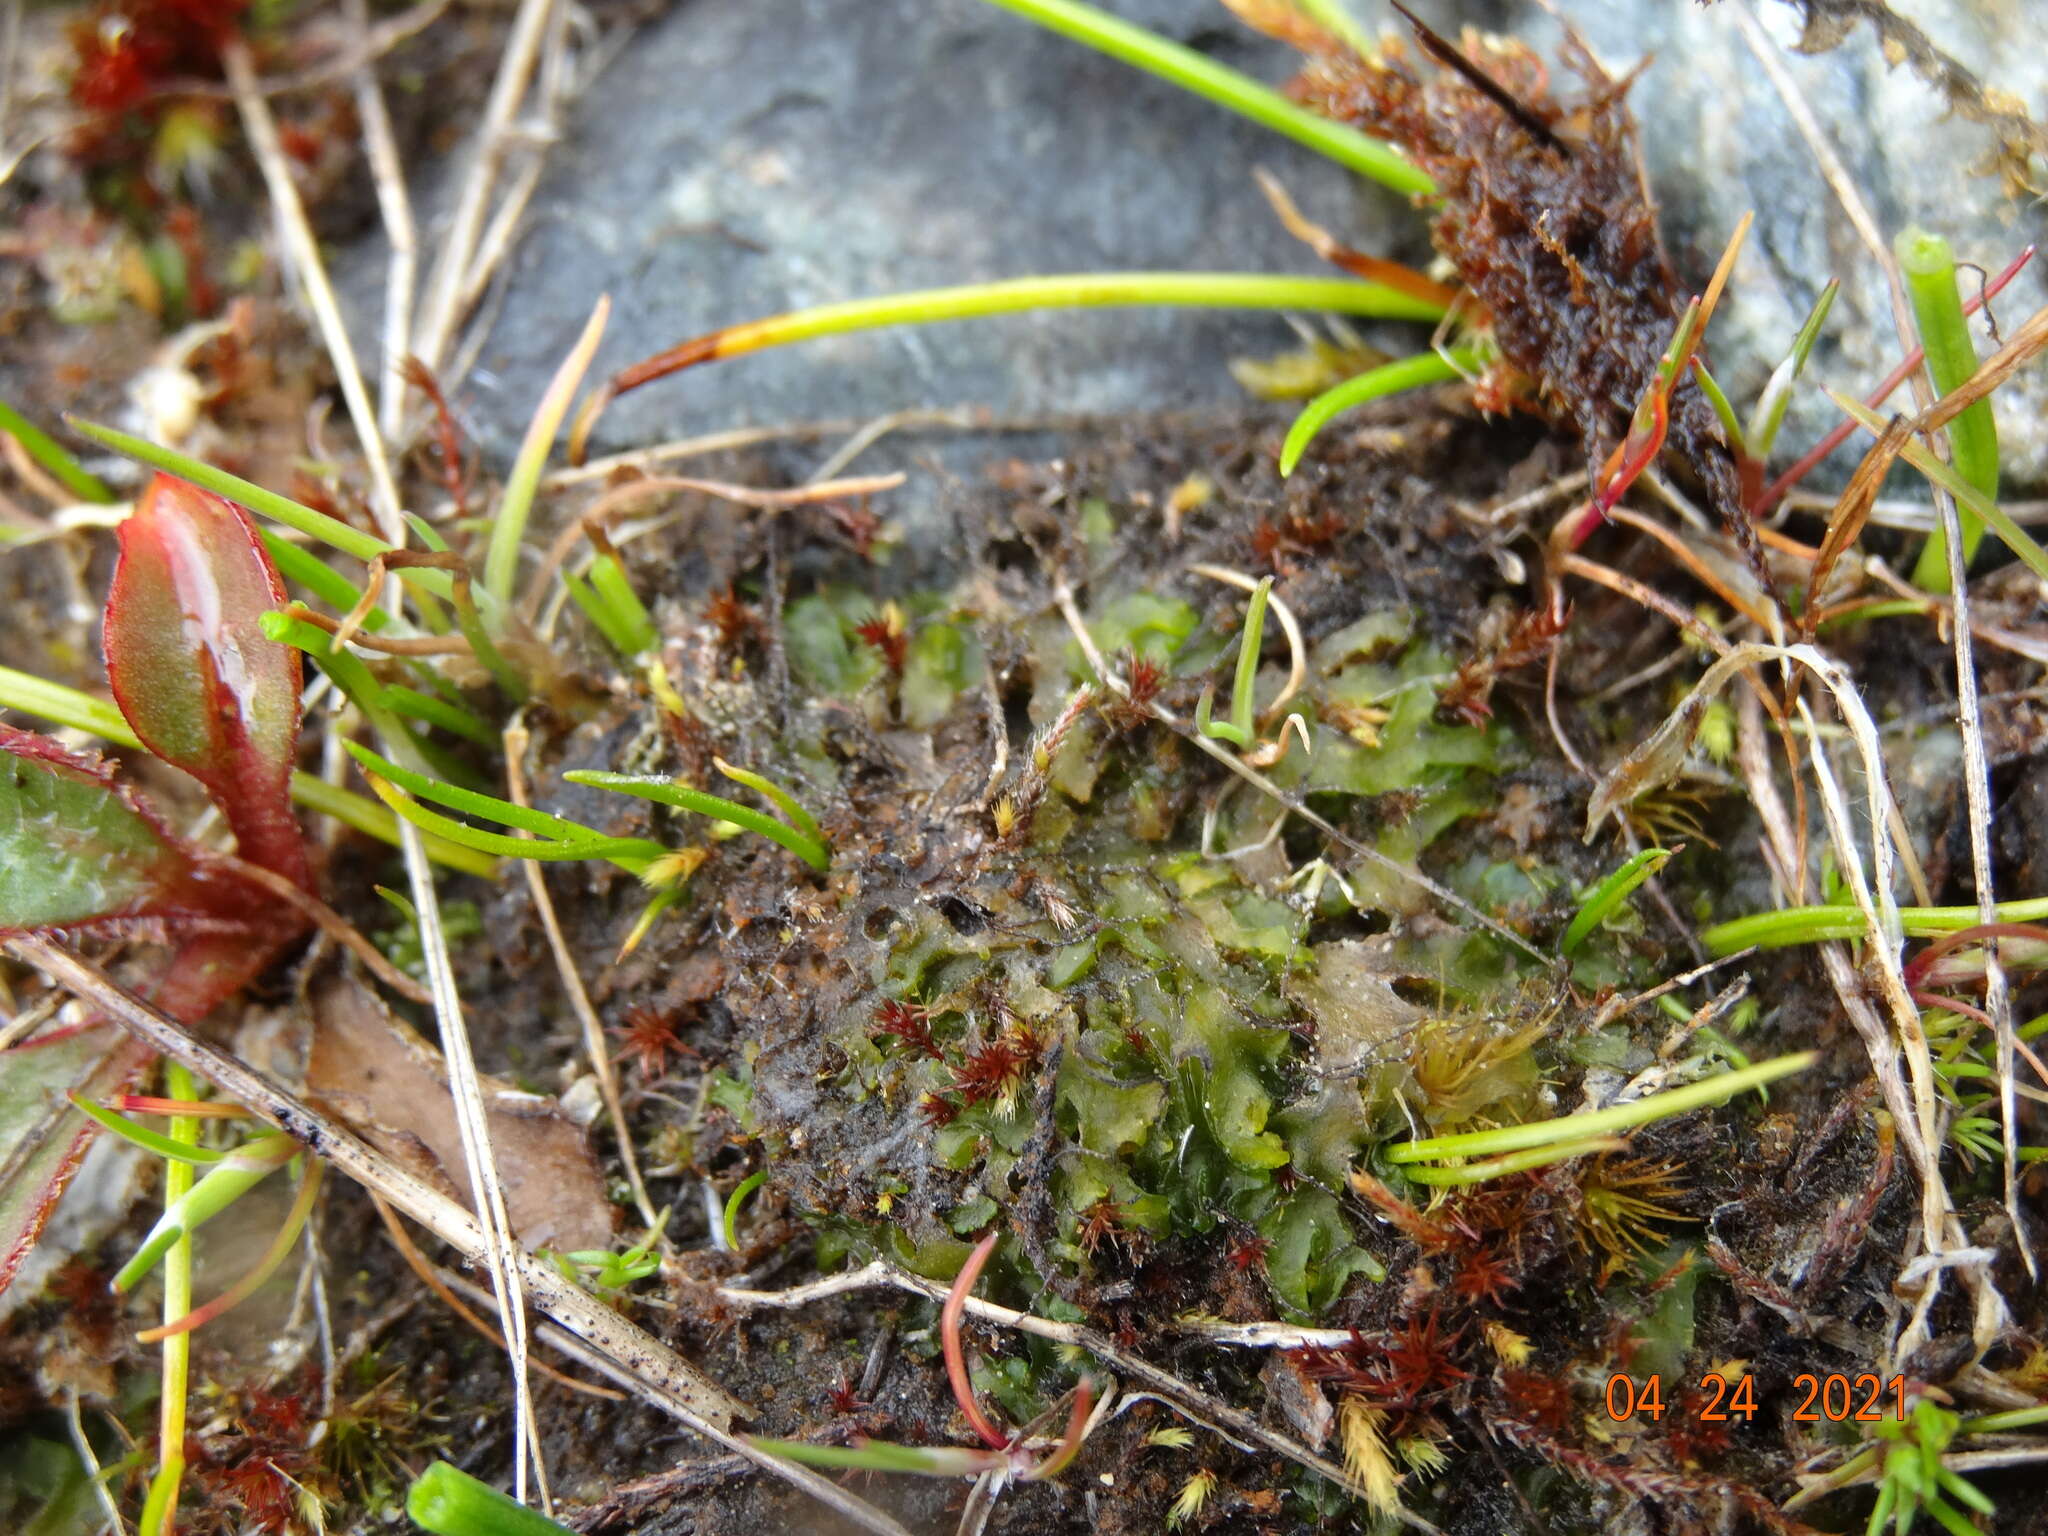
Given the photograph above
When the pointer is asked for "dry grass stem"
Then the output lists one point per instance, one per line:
(303, 252)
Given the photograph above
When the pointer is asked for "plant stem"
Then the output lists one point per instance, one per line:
(160, 1509)
(1601, 1122)
(1610, 893)
(1968, 497)
(1240, 93)
(1515, 1162)
(1929, 268)
(1077, 290)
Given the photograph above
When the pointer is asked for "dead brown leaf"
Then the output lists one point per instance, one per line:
(371, 1069)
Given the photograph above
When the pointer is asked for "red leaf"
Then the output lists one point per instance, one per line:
(192, 671)
(76, 849)
(41, 1138)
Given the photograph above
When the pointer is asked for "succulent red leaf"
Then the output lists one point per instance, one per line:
(41, 1139)
(192, 670)
(77, 849)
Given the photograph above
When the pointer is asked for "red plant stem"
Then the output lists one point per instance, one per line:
(1923, 963)
(196, 1109)
(956, 1357)
(1883, 392)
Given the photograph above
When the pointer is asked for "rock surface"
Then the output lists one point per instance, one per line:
(736, 160)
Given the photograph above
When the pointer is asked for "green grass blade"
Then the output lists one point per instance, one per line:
(331, 531)
(1968, 497)
(738, 1198)
(1611, 893)
(53, 457)
(1600, 1122)
(555, 829)
(37, 696)
(787, 803)
(618, 635)
(1929, 269)
(810, 849)
(1512, 1162)
(453, 718)
(1244, 686)
(1812, 925)
(142, 1136)
(629, 615)
(631, 854)
(374, 820)
(881, 1456)
(1769, 414)
(1227, 87)
(1718, 399)
(1374, 384)
(449, 1502)
(508, 527)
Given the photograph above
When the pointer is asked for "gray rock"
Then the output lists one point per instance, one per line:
(1719, 142)
(740, 159)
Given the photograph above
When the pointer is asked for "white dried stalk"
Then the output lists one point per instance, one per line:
(394, 204)
(1240, 1428)
(303, 253)
(1977, 778)
(465, 1087)
(441, 313)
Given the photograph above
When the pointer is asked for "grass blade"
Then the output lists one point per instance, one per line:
(1611, 893)
(508, 528)
(1929, 269)
(666, 791)
(1228, 88)
(1600, 1122)
(1071, 290)
(51, 455)
(1914, 452)
(1375, 384)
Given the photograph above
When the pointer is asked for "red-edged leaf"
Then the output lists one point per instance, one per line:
(192, 670)
(42, 1138)
(76, 848)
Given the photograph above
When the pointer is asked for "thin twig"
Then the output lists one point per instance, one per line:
(487, 1190)
(825, 1491)
(91, 1462)
(1232, 1423)
(329, 922)
(436, 1282)
(618, 500)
